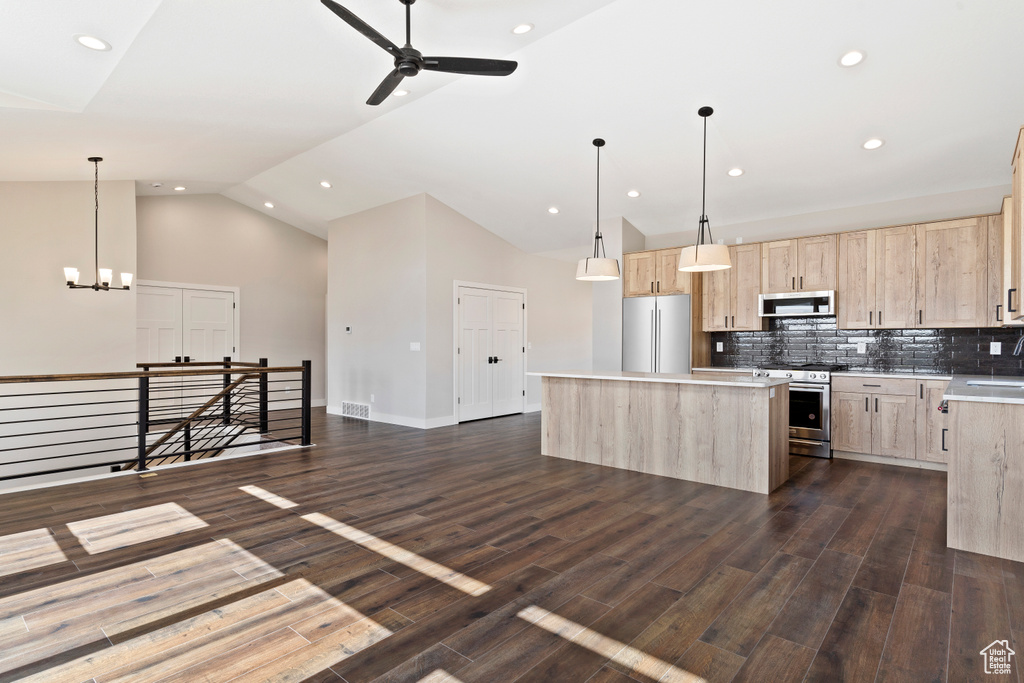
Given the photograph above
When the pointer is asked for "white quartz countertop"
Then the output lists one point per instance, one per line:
(666, 378)
(890, 375)
(749, 371)
(988, 391)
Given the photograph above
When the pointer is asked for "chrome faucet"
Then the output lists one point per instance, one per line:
(1019, 346)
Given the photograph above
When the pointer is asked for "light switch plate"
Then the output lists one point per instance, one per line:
(414, 346)
(995, 348)
(771, 392)
(719, 347)
(862, 347)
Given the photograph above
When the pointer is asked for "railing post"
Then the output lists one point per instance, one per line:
(307, 393)
(264, 392)
(143, 421)
(188, 442)
(227, 396)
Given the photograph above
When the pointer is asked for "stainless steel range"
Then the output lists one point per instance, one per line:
(810, 429)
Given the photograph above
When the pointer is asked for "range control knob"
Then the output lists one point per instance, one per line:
(813, 375)
(789, 374)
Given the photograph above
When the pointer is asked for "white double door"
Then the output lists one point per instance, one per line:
(179, 322)
(491, 352)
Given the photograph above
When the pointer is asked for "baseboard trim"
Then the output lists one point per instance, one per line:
(888, 460)
(532, 408)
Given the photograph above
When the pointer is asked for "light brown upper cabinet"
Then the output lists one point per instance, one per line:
(952, 273)
(730, 296)
(1014, 309)
(1007, 274)
(877, 279)
(650, 273)
(639, 271)
(807, 264)
(668, 278)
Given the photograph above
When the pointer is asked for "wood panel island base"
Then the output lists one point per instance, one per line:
(726, 431)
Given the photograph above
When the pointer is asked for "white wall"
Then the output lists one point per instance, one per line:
(377, 286)
(391, 273)
(281, 272)
(620, 237)
(46, 327)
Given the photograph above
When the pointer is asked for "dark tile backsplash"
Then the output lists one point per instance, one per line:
(816, 340)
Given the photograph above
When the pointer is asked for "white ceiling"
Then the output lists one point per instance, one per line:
(262, 99)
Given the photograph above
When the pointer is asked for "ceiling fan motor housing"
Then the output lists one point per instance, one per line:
(411, 61)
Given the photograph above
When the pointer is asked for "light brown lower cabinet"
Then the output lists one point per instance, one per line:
(932, 426)
(874, 416)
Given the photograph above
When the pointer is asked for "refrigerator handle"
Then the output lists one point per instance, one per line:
(657, 343)
(653, 341)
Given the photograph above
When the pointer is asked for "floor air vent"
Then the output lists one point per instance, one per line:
(357, 410)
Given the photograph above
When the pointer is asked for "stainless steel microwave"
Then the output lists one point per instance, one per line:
(794, 304)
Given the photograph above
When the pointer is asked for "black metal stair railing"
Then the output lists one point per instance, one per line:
(161, 414)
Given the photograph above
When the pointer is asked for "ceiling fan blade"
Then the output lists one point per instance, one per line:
(469, 65)
(386, 87)
(361, 26)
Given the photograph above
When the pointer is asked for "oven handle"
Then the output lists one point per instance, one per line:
(806, 442)
(819, 388)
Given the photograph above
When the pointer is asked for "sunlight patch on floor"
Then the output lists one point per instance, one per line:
(29, 550)
(123, 529)
(398, 554)
(269, 497)
(439, 676)
(637, 661)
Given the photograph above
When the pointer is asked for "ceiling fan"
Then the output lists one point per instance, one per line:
(409, 61)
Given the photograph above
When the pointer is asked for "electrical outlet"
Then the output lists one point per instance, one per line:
(414, 346)
(995, 348)
(719, 347)
(371, 398)
(862, 347)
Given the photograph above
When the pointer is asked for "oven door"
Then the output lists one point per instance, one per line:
(808, 411)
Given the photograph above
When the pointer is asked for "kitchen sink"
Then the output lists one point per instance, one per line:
(1005, 383)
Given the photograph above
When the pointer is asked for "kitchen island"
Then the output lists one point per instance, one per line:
(724, 430)
(985, 480)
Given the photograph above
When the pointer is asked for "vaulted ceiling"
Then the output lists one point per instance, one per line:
(261, 100)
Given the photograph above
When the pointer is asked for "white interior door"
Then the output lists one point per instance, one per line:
(475, 327)
(157, 324)
(208, 324)
(507, 391)
(491, 353)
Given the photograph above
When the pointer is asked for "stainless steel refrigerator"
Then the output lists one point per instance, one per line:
(656, 334)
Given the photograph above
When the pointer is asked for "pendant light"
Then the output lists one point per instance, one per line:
(705, 254)
(598, 267)
(103, 275)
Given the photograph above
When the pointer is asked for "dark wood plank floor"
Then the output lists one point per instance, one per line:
(357, 560)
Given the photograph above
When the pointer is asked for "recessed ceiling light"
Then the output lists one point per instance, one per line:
(92, 42)
(324, 183)
(851, 58)
(633, 193)
(553, 209)
(400, 93)
(522, 28)
(269, 205)
(180, 188)
(736, 172)
(874, 143)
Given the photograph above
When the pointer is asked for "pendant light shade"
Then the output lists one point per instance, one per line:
(598, 267)
(705, 255)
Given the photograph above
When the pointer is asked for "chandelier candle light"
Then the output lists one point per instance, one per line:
(598, 267)
(705, 254)
(103, 275)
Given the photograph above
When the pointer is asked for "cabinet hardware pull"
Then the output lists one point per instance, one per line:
(879, 317)
(659, 285)
(944, 430)
(734, 321)
(876, 404)
(727, 321)
(866, 409)
(801, 282)
(922, 389)
(871, 385)
(1009, 300)
(998, 318)
(871, 317)
(794, 282)
(920, 315)
(652, 288)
